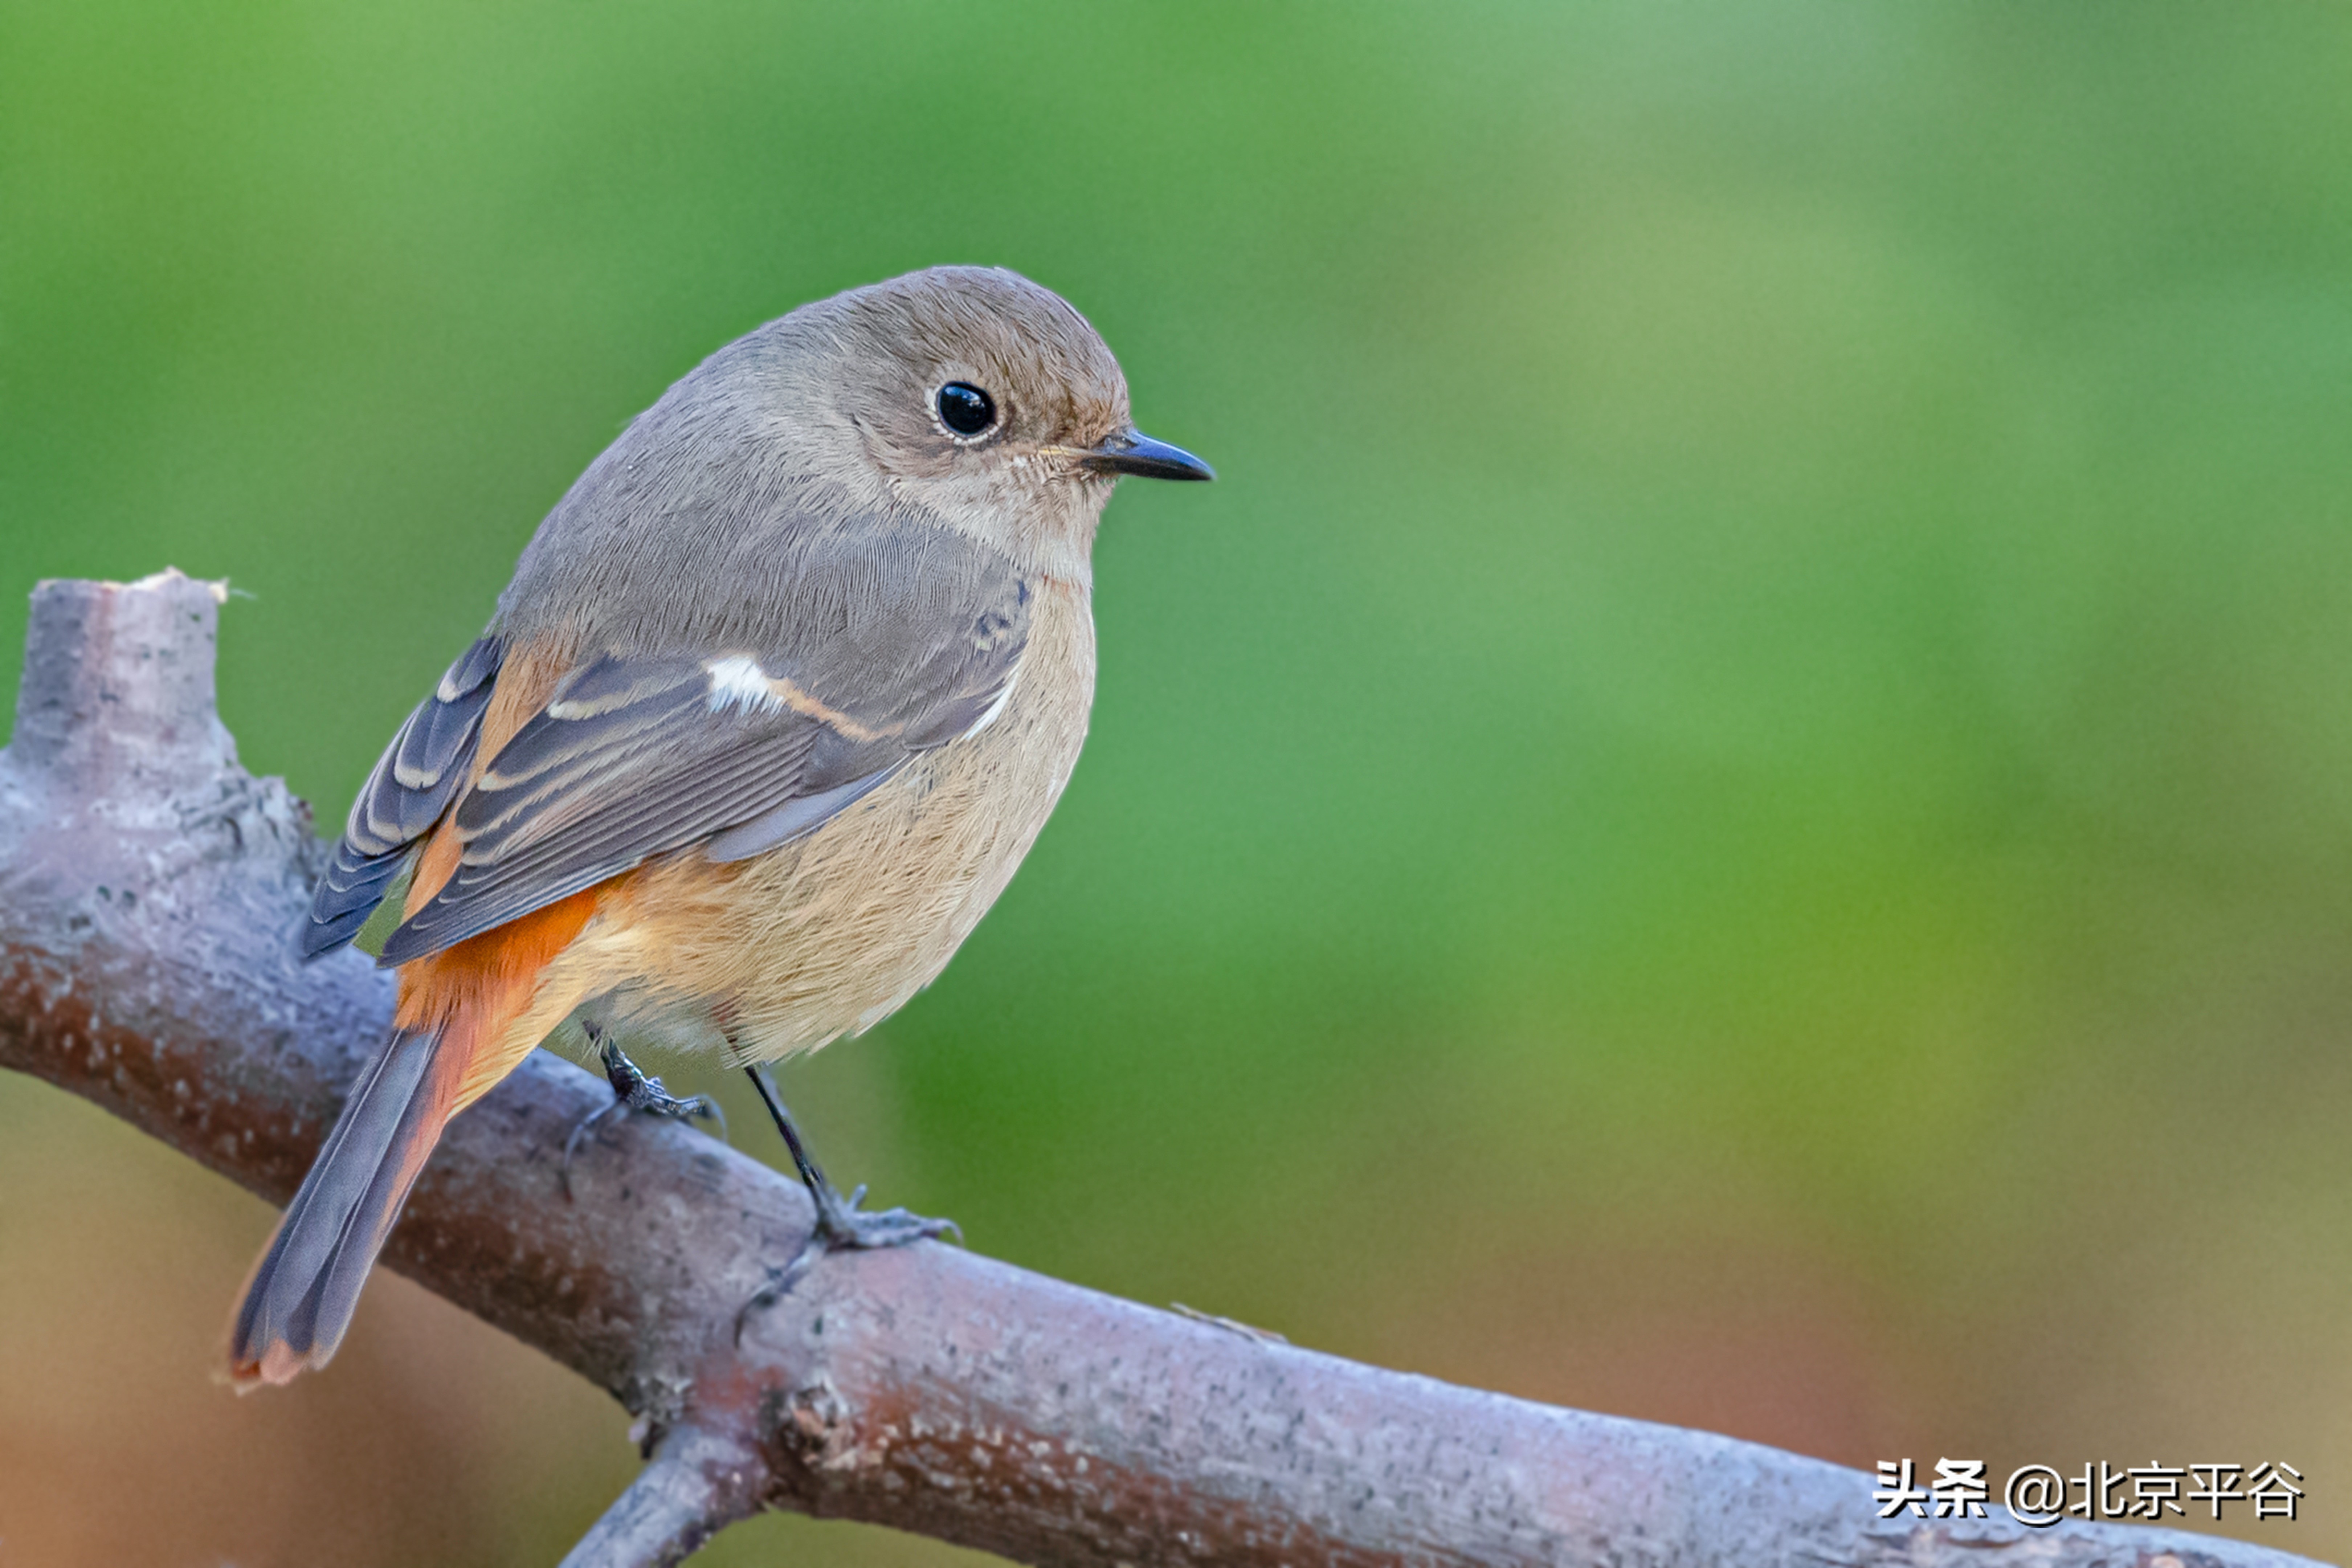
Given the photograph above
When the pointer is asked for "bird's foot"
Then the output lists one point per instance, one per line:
(633, 1091)
(841, 1224)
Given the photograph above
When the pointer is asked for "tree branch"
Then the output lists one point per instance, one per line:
(699, 1483)
(149, 891)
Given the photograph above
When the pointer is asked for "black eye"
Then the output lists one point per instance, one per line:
(965, 408)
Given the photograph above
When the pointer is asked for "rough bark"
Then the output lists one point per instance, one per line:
(149, 891)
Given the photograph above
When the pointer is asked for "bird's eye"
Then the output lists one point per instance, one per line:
(965, 408)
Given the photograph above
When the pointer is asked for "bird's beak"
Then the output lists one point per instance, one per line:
(1130, 451)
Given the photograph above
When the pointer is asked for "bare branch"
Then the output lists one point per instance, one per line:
(699, 1483)
(148, 888)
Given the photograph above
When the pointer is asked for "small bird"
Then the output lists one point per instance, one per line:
(782, 690)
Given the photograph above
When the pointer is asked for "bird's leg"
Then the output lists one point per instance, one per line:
(632, 1091)
(839, 1221)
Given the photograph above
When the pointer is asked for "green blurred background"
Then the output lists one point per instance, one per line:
(1737, 810)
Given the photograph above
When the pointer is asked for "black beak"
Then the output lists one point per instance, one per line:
(1133, 452)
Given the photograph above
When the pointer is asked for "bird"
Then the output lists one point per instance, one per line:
(780, 693)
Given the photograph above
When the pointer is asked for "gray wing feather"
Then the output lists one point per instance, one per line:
(738, 748)
(796, 818)
(413, 784)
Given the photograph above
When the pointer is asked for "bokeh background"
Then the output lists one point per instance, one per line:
(1738, 810)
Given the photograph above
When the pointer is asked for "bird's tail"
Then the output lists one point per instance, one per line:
(304, 1290)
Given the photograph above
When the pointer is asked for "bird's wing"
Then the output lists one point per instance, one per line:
(737, 747)
(413, 784)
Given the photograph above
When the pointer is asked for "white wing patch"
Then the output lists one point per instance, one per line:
(995, 709)
(740, 682)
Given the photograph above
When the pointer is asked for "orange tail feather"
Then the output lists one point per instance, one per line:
(304, 1290)
(451, 1041)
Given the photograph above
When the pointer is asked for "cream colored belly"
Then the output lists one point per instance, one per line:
(830, 935)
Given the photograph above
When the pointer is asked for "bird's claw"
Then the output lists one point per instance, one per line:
(842, 1224)
(633, 1091)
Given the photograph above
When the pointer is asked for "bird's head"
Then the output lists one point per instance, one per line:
(973, 394)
